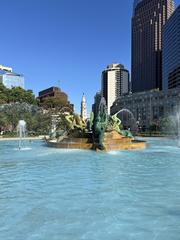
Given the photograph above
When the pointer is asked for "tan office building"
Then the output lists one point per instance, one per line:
(114, 83)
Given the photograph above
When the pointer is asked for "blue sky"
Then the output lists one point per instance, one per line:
(65, 42)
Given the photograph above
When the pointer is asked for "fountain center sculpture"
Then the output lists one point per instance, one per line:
(101, 133)
(104, 124)
(99, 124)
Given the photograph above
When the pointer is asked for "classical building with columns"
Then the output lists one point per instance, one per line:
(148, 107)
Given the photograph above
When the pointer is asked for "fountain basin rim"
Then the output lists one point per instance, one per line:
(133, 145)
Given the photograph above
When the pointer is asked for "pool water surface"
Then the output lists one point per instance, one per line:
(52, 194)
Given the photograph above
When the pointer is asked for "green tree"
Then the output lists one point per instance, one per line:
(169, 125)
(154, 127)
(4, 94)
(37, 121)
(3, 121)
(54, 104)
(18, 94)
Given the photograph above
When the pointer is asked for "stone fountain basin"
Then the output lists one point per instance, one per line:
(112, 141)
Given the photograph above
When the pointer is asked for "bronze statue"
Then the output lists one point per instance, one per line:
(100, 122)
(74, 121)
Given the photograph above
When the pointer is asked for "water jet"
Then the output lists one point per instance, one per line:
(21, 130)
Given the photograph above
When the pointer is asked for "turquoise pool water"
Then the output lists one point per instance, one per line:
(51, 194)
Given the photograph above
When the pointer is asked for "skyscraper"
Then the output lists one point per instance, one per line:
(83, 108)
(10, 79)
(171, 51)
(149, 17)
(114, 83)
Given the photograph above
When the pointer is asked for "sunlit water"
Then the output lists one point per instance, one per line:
(51, 194)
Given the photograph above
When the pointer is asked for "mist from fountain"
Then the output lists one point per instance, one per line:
(178, 127)
(21, 130)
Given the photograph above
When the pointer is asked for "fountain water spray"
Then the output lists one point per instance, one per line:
(21, 129)
(131, 119)
(178, 126)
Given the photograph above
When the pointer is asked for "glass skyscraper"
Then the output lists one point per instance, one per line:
(136, 2)
(10, 79)
(149, 17)
(171, 51)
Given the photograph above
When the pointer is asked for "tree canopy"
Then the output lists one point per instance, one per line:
(56, 103)
(18, 103)
(16, 94)
(37, 121)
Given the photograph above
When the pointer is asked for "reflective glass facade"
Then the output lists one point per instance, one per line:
(171, 51)
(136, 2)
(10, 80)
(147, 23)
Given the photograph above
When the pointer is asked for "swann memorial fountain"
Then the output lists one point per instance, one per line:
(101, 133)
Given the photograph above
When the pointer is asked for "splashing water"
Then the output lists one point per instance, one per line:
(178, 126)
(127, 116)
(21, 130)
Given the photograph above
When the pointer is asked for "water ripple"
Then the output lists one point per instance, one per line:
(59, 194)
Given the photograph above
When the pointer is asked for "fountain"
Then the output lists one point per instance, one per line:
(57, 123)
(127, 116)
(178, 127)
(105, 132)
(21, 130)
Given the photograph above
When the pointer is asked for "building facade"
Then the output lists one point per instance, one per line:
(148, 107)
(114, 83)
(149, 17)
(83, 108)
(171, 51)
(10, 79)
(4, 68)
(53, 92)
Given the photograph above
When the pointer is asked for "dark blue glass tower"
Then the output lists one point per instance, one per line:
(171, 51)
(149, 17)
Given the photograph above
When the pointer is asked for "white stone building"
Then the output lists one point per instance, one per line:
(83, 108)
